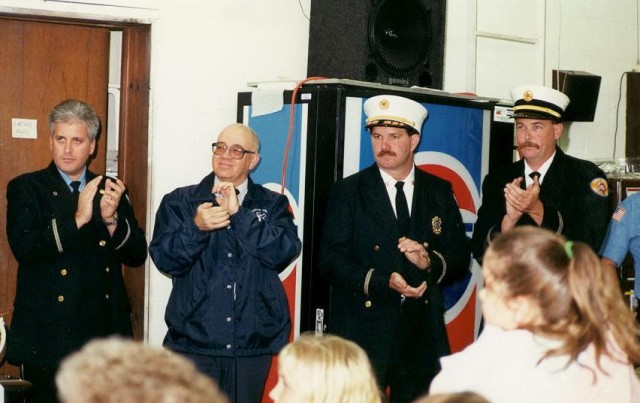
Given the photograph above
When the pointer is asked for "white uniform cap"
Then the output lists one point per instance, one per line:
(538, 102)
(395, 111)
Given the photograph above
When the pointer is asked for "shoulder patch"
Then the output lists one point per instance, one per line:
(600, 187)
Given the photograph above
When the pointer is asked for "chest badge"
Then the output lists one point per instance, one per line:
(436, 225)
(260, 213)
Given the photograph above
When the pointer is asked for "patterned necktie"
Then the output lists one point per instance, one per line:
(402, 209)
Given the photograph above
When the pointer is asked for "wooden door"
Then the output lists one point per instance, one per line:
(133, 165)
(41, 64)
(45, 60)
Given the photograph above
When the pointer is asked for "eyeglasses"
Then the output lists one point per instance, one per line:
(236, 152)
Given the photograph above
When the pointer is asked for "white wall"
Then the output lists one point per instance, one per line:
(519, 41)
(600, 37)
(204, 52)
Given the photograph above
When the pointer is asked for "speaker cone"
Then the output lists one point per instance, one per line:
(400, 35)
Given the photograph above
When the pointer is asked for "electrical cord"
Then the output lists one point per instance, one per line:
(302, 9)
(615, 132)
(559, 41)
(292, 114)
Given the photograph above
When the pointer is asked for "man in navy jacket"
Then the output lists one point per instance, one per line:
(227, 311)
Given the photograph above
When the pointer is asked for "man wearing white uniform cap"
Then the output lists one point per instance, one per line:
(392, 235)
(546, 187)
(394, 111)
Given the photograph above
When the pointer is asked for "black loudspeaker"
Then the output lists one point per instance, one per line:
(582, 89)
(396, 42)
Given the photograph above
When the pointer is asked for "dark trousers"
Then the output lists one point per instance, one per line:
(43, 381)
(241, 378)
(408, 377)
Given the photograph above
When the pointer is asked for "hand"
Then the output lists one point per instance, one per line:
(521, 201)
(398, 283)
(415, 253)
(226, 196)
(512, 208)
(84, 209)
(209, 217)
(111, 197)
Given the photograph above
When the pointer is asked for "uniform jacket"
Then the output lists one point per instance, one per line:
(359, 252)
(573, 205)
(623, 236)
(70, 287)
(227, 298)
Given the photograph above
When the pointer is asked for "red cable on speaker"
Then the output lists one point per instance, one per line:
(290, 134)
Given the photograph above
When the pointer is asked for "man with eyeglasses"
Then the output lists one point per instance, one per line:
(223, 242)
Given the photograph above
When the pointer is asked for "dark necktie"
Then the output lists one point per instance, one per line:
(402, 209)
(535, 174)
(75, 189)
(404, 223)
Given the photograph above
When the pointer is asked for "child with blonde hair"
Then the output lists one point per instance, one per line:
(324, 369)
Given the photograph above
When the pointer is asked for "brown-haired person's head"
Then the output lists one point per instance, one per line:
(540, 281)
(116, 370)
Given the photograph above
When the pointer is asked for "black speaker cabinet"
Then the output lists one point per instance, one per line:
(395, 42)
(632, 137)
(582, 89)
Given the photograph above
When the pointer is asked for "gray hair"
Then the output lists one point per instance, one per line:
(72, 110)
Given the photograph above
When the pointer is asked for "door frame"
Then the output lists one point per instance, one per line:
(133, 143)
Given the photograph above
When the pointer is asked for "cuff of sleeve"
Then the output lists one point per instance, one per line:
(490, 235)
(439, 264)
(552, 220)
(367, 281)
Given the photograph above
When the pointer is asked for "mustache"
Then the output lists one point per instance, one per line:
(386, 152)
(527, 144)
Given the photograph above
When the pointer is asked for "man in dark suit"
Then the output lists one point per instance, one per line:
(392, 235)
(546, 187)
(70, 232)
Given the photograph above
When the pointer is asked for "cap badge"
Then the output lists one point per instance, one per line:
(527, 96)
(384, 104)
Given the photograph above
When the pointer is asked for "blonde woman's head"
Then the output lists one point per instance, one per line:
(324, 369)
